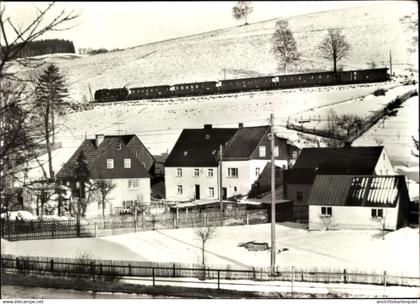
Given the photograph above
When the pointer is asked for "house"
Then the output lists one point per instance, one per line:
(347, 160)
(358, 202)
(121, 159)
(192, 167)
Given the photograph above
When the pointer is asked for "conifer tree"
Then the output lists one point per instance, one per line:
(51, 92)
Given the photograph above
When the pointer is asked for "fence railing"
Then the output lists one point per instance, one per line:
(114, 270)
(47, 229)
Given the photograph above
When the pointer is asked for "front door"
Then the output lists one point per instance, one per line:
(197, 192)
(224, 193)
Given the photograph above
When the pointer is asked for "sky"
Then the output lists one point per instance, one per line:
(125, 24)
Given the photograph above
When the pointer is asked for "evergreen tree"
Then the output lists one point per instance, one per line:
(51, 92)
(284, 45)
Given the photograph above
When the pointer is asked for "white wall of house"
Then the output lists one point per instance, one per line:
(135, 189)
(346, 217)
(247, 174)
(384, 166)
(188, 180)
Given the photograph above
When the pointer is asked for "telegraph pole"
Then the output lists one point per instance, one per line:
(390, 63)
(220, 177)
(273, 196)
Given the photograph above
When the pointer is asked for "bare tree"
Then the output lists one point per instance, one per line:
(103, 188)
(334, 47)
(241, 10)
(349, 122)
(284, 45)
(204, 234)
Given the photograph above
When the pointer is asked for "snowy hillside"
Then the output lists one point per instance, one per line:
(245, 50)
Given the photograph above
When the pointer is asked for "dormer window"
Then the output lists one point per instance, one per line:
(119, 146)
(262, 151)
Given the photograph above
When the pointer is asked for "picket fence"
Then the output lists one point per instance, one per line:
(48, 229)
(83, 267)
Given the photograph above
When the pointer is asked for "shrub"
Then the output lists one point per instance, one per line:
(379, 92)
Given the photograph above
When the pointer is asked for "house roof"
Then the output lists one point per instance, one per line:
(95, 158)
(244, 142)
(347, 160)
(299, 176)
(361, 190)
(198, 147)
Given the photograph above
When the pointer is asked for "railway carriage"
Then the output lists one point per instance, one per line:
(162, 91)
(245, 84)
(195, 88)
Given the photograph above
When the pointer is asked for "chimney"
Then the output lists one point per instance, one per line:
(99, 139)
(208, 126)
(241, 125)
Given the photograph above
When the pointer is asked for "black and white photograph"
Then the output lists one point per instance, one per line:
(209, 150)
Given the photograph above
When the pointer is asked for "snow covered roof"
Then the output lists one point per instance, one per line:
(369, 191)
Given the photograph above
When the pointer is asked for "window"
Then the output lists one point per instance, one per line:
(135, 152)
(110, 163)
(262, 151)
(133, 184)
(377, 213)
(257, 171)
(179, 172)
(235, 188)
(299, 197)
(211, 191)
(127, 163)
(276, 151)
(294, 154)
(119, 146)
(179, 189)
(210, 172)
(196, 172)
(326, 211)
(143, 164)
(233, 172)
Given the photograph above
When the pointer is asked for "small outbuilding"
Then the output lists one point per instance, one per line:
(358, 202)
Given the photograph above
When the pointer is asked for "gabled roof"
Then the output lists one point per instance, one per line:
(361, 190)
(96, 160)
(347, 160)
(198, 147)
(244, 142)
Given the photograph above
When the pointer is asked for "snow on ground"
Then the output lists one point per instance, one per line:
(350, 249)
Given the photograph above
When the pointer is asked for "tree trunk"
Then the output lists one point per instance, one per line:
(52, 124)
(202, 252)
(47, 140)
(103, 208)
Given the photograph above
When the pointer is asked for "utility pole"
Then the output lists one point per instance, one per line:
(220, 177)
(273, 196)
(390, 63)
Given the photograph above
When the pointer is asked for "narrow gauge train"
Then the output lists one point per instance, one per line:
(243, 84)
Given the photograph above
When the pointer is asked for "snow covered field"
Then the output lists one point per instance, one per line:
(363, 250)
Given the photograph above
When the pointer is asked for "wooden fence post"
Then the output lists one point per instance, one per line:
(345, 275)
(129, 270)
(92, 269)
(384, 281)
(17, 263)
(52, 265)
(293, 277)
(52, 229)
(135, 225)
(153, 275)
(100, 269)
(173, 270)
(218, 279)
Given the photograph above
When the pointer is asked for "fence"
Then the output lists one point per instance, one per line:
(114, 270)
(354, 133)
(47, 229)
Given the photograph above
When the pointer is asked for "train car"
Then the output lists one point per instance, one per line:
(195, 88)
(364, 76)
(246, 84)
(305, 80)
(109, 95)
(162, 91)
